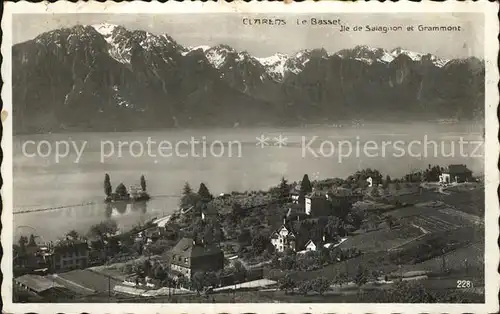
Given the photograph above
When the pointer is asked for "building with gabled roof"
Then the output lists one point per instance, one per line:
(456, 174)
(66, 254)
(189, 257)
(310, 246)
(283, 238)
(317, 204)
(43, 287)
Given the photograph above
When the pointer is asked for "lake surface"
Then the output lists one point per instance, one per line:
(41, 182)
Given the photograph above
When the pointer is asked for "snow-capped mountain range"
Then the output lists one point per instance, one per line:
(276, 65)
(119, 78)
(279, 64)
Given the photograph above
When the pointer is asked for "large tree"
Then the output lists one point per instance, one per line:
(147, 268)
(334, 227)
(107, 185)
(305, 187)
(32, 241)
(204, 193)
(198, 281)
(304, 287)
(240, 271)
(305, 184)
(103, 230)
(143, 183)
(361, 276)
(284, 188)
(287, 283)
(259, 243)
(320, 285)
(387, 180)
(73, 235)
(121, 190)
(237, 210)
(187, 190)
(22, 243)
(188, 197)
(340, 279)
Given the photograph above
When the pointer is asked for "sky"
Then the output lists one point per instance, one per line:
(264, 40)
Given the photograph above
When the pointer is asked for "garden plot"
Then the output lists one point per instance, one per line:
(89, 279)
(471, 256)
(432, 223)
(411, 211)
(382, 240)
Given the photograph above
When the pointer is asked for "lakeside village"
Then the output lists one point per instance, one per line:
(366, 238)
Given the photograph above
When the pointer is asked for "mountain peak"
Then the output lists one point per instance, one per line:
(217, 55)
(366, 54)
(417, 56)
(224, 47)
(105, 29)
(202, 47)
(274, 65)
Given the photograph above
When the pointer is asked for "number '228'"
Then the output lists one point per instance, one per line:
(464, 284)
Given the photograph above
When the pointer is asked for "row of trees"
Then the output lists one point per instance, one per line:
(207, 230)
(26, 242)
(431, 174)
(190, 198)
(415, 292)
(229, 275)
(358, 179)
(313, 260)
(320, 285)
(323, 284)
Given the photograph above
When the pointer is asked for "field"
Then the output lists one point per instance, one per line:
(72, 286)
(246, 200)
(471, 257)
(381, 240)
(88, 279)
(112, 272)
(468, 201)
(409, 211)
(434, 216)
(374, 261)
(468, 198)
(432, 223)
(252, 296)
(458, 244)
(437, 220)
(419, 196)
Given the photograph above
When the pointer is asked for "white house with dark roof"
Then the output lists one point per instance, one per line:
(283, 239)
(310, 246)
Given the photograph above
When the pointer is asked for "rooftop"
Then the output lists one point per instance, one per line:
(37, 283)
(321, 194)
(188, 249)
(70, 244)
(457, 169)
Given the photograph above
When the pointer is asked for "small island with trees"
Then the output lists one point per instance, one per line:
(135, 193)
